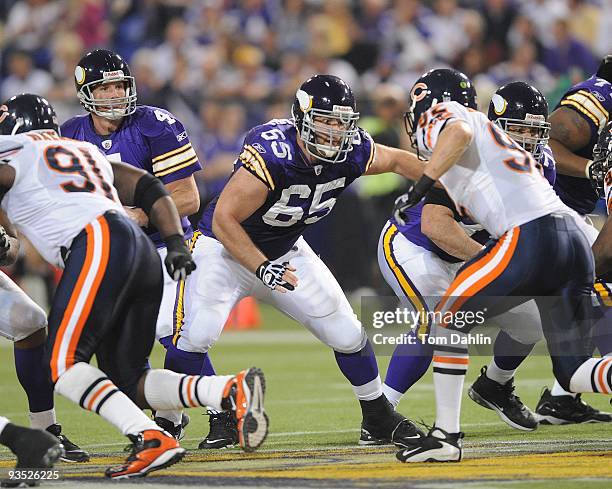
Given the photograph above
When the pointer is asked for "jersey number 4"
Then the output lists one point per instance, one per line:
(318, 208)
(65, 161)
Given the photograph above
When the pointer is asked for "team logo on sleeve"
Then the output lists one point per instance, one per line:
(259, 148)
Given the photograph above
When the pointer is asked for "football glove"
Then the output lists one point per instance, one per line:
(271, 274)
(179, 262)
(5, 243)
(415, 194)
(596, 173)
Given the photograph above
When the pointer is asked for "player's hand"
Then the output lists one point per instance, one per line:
(415, 194)
(179, 262)
(277, 276)
(5, 243)
(596, 172)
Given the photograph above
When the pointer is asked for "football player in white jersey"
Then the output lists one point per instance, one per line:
(420, 259)
(25, 323)
(59, 193)
(539, 250)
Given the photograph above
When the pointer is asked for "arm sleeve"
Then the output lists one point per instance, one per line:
(254, 159)
(172, 155)
(364, 151)
(438, 196)
(587, 104)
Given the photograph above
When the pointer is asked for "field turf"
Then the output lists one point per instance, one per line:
(315, 426)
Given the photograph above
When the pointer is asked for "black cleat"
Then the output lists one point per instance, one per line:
(35, 449)
(501, 399)
(73, 453)
(177, 431)
(223, 432)
(437, 446)
(390, 428)
(568, 410)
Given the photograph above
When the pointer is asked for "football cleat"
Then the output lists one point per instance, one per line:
(151, 450)
(501, 399)
(243, 396)
(177, 431)
(73, 453)
(392, 428)
(437, 446)
(35, 449)
(223, 432)
(568, 410)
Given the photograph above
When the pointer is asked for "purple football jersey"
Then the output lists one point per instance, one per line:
(299, 193)
(151, 139)
(592, 100)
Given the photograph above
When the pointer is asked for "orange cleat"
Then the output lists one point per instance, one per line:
(151, 450)
(243, 396)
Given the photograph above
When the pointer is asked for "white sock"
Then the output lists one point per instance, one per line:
(43, 419)
(497, 374)
(89, 387)
(174, 416)
(392, 395)
(557, 390)
(450, 365)
(3, 422)
(593, 376)
(168, 390)
(370, 391)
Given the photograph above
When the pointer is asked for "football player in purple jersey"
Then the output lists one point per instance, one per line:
(154, 140)
(575, 124)
(288, 176)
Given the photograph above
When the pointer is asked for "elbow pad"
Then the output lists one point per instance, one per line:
(149, 190)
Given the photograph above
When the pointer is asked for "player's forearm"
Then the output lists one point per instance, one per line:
(448, 235)
(186, 200)
(602, 249)
(236, 241)
(452, 143)
(407, 164)
(568, 163)
(165, 218)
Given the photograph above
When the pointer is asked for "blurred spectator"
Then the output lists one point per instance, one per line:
(30, 24)
(292, 32)
(524, 30)
(523, 66)
(543, 14)
(87, 18)
(24, 78)
(584, 21)
(446, 27)
(568, 52)
(149, 86)
(498, 16)
(407, 37)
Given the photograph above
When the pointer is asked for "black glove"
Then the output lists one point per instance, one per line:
(271, 274)
(179, 262)
(596, 173)
(5, 243)
(415, 194)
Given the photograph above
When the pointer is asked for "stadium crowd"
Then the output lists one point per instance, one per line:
(222, 66)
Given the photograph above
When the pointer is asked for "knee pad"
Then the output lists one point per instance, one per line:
(341, 331)
(27, 318)
(202, 333)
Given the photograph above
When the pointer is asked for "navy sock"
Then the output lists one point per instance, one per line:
(34, 377)
(207, 366)
(509, 353)
(184, 362)
(602, 333)
(408, 364)
(360, 367)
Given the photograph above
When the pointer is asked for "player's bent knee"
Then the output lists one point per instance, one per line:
(202, 334)
(28, 321)
(354, 341)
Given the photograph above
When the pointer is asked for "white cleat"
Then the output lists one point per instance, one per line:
(437, 446)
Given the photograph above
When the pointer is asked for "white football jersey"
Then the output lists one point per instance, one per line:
(495, 182)
(608, 191)
(60, 186)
